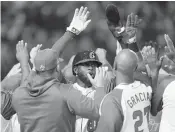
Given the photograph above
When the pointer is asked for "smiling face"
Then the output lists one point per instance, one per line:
(81, 70)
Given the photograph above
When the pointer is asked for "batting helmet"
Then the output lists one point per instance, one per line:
(85, 56)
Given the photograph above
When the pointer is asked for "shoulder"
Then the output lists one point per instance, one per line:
(11, 83)
(65, 87)
(113, 98)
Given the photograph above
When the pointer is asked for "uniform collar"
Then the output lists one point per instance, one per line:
(135, 84)
(84, 91)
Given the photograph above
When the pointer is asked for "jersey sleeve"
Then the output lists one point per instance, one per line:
(111, 118)
(84, 106)
(6, 105)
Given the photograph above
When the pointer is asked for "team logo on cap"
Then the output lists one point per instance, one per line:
(42, 67)
(92, 55)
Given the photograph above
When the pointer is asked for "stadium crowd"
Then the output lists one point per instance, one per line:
(89, 94)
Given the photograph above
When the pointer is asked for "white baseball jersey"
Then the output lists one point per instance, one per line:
(133, 101)
(81, 123)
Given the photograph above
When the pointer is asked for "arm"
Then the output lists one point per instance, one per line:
(78, 24)
(142, 77)
(156, 104)
(84, 106)
(154, 79)
(23, 57)
(101, 53)
(61, 43)
(7, 110)
(25, 72)
(87, 107)
(156, 101)
(67, 71)
(111, 119)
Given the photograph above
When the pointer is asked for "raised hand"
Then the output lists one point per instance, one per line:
(131, 27)
(169, 43)
(21, 52)
(15, 70)
(151, 56)
(100, 77)
(33, 53)
(169, 49)
(80, 20)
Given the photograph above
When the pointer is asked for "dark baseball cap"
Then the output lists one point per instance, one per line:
(112, 14)
(85, 56)
(46, 59)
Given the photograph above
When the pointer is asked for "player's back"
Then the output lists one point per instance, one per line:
(135, 106)
(43, 108)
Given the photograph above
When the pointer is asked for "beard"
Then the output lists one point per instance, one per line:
(83, 77)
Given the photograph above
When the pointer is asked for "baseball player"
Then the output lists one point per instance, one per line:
(101, 54)
(127, 107)
(85, 63)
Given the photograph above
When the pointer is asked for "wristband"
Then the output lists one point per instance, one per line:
(121, 30)
(133, 47)
(132, 40)
(73, 30)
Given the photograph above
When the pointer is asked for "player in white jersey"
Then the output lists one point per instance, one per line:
(127, 107)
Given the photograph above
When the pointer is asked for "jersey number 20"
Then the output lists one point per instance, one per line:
(140, 114)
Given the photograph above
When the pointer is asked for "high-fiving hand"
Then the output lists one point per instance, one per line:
(150, 54)
(80, 20)
(131, 27)
(22, 52)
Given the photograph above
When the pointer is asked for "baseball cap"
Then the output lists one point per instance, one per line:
(112, 13)
(85, 56)
(45, 60)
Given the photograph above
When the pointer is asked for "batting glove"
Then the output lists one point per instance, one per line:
(79, 21)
